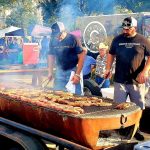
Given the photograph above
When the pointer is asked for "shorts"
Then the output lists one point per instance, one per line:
(136, 93)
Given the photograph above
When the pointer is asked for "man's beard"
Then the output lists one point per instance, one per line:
(126, 34)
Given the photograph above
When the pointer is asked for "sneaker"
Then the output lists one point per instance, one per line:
(138, 135)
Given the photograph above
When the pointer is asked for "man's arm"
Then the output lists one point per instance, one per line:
(81, 58)
(51, 62)
(110, 60)
(143, 76)
(76, 77)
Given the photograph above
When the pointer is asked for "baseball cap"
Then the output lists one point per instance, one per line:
(57, 28)
(103, 46)
(129, 22)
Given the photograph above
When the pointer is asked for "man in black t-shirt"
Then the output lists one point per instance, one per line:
(67, 55)
(132, 53)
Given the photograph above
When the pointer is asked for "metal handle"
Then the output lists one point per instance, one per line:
(102, 83)
(123, 120)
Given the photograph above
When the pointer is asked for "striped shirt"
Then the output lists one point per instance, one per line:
(100, 65)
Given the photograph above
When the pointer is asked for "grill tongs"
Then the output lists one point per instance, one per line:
(100, 85)
(45, 83)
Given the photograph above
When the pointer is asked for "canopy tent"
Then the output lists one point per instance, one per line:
(40, 30)
(11, 31)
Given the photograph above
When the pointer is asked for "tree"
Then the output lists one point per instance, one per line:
(60, 10)
(50, 10)
(96, 7)
(134, 5)
(22, 13)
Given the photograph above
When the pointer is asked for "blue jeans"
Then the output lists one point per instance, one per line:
(99, 80)
(61, 79)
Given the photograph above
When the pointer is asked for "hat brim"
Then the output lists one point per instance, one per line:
(126, 27)
(103, 47)
(56, 34)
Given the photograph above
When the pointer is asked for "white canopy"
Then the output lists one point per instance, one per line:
(40, 30)
(7, 30)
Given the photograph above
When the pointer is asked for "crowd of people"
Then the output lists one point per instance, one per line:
(130, 51)
(11, 50)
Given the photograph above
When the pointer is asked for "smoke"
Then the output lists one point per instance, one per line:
(100, 7)
(108, 6)
(69, 10)
(68, 13)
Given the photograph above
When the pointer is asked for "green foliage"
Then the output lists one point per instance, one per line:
(21, 17)
(134, 5)
(120, 10)
(7, 3)
(23, 13)
(50, 10)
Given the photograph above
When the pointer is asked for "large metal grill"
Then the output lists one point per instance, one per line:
(85, 128)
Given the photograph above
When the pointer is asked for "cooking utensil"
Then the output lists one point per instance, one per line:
(45, 83)
(102, 83)
(104, 80)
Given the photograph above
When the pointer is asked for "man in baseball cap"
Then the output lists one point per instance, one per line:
(129, 22)
(129, 26)
(57, 28)
(67, 56)
(131, 51)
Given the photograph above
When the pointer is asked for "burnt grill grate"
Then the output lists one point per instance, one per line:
(89, 111)
(109, 111)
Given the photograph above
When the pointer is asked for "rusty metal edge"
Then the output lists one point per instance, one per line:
(54, 139)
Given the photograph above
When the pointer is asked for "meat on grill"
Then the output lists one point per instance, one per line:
(58, 100)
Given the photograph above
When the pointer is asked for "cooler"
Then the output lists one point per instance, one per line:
(30, 53)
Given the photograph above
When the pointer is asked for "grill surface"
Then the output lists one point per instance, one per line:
(107, 112)
(89, 111)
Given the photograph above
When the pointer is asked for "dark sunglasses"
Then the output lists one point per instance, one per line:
(126, 24)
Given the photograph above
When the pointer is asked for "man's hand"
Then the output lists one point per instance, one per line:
(142, 77)
(107, 74)
(75, 79)
(50, 76)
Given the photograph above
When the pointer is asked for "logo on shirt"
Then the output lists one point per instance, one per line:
(129, 45)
